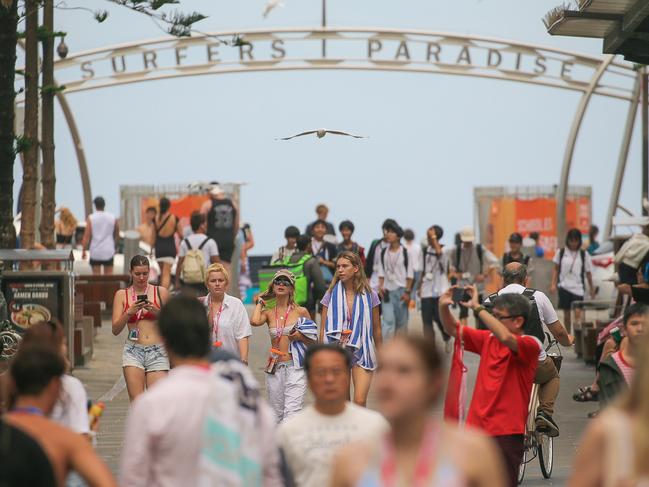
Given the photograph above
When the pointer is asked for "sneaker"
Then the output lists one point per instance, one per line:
(545, 424)
(448, 346)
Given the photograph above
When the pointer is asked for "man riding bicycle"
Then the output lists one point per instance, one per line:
(515, 280)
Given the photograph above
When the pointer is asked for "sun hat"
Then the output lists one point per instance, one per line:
(467, 235)
(285, 273)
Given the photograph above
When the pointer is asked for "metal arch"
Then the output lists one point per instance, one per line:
(78, 147)
(623, 158)
(562, 190)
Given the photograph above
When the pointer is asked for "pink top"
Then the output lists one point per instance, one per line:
(162, 441)
(626, 369)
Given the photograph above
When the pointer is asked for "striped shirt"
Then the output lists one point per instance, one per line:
(626, 369)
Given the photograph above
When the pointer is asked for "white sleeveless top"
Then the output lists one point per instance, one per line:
(102, 243)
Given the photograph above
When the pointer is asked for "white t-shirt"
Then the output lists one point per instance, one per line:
(547, 313)
(434, 279)
(102, 239)
(233, 324)
(393, 269)
(414, 250)
(210, 249)
(570, 270)
(71, 410)
(310, 439)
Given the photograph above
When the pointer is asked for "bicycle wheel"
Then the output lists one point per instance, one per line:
(10, 343)
(546, 455)
(521, 469)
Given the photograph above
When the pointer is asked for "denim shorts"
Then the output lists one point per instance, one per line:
(150, 358)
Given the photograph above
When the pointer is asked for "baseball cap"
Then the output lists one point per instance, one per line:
(467, 235)
(285, 273)
(516, 238)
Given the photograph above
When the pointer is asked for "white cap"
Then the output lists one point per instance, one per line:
(467, 235)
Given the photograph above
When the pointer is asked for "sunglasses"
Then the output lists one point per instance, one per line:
(282, 282)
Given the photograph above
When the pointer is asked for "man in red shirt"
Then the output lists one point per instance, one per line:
(508, 361)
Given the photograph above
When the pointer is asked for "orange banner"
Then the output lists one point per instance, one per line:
(524, 216)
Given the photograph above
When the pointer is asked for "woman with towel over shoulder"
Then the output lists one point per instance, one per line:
(351, 316)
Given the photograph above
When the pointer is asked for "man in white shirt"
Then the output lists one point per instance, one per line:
(198, 240)
(516, 279)
(199, 425)
(415, 251)
(373, 261)
(101, 237)
(395, 282)
(433, 283)
(572, 267)
(310, 438)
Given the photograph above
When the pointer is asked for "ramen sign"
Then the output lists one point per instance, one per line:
(339, 48)
(31, 301)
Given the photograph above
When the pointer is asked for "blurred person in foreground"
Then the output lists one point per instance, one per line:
(419, 449)
(615, 447)
(309, 438)
(198, 426)
(37, 373)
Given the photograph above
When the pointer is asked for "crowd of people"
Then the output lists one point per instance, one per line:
(337, 319)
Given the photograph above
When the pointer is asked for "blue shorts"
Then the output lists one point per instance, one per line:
(150, 358)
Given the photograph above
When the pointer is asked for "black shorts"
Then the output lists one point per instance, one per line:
(566, 298)
(107, 263)
(225, 251)
(627, 274)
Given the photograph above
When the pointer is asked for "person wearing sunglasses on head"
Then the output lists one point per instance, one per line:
(291, 329)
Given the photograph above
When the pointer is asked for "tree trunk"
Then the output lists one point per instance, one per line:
(8, 38)
(47, 131)
(30, 168)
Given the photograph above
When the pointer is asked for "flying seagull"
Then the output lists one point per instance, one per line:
(271, 5)
(320, 133)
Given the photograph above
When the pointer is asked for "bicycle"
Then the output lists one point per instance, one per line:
(9, 341)
(536, 443)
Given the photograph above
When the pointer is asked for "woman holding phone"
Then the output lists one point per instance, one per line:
(136, 308)
(351, 317)
(290, 329)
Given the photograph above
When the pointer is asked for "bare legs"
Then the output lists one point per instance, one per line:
(362, 379)
(137, 380)
(165, 274)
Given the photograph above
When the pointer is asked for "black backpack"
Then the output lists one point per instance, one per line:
(458, 255)
(424, 250)
(533, 325)
(582, 255)
(405, 257)
(369, 261)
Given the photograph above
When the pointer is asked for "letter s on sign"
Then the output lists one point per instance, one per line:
(87, 70)
(278, 49)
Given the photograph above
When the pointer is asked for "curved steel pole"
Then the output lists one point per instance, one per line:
(562, 190)
(622, 159)
(78, 147)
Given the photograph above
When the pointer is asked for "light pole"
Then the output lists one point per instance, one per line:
(645, 143)
(324, 25)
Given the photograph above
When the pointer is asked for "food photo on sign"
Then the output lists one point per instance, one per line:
(30, 302)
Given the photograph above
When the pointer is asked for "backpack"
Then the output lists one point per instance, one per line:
(297, 268)
(507, 259)
(458, 255)
(405, 257)
(369, 260)
(533, 325)
(193, 271)
(582, 254)
(424, 250)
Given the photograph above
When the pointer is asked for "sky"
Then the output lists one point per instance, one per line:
(432, 138)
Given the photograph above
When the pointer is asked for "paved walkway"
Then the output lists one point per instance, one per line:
(103, 375)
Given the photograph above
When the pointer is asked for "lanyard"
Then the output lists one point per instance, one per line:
(348, 312)
(29, 410)
(278, 330)
(423, 464)
(393, 262)
(574, 259)
(216, 317)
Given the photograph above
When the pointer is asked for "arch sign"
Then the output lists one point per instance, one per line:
(360, 49)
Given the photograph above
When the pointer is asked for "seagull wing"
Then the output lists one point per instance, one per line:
(299, 135)
(338, 132)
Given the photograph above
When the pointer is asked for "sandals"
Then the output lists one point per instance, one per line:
(586, 394)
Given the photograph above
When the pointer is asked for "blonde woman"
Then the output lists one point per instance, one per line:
(291, 329)
(64, 227)
(351, 317)
(615, 447)
(227, 315)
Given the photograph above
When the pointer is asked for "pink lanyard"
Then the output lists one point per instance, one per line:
(425, 459)
(279, 330)
(216, 317)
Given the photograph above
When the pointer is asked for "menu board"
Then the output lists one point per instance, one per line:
(31, 300)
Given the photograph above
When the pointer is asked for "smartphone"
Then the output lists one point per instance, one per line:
(458, 295)
(617, 335)
(142, 297)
